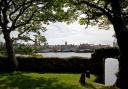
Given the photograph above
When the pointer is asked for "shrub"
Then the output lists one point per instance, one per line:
(97, 61)
(37, 56)
(52, 64)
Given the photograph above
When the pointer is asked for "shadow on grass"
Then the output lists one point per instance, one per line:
(21, 81)
(88, 85)
(109, 87)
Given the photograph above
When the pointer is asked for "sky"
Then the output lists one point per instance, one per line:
(58, 33)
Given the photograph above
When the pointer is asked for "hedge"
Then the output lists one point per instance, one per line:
(77, 64)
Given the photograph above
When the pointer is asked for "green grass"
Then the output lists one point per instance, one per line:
(23, 80)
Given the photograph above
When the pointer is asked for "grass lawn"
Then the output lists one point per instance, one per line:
(24, 80)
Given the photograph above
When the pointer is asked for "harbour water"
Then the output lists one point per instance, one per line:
(66, 54)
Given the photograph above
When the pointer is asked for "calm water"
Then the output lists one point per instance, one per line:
(111, 68)
(66, 54)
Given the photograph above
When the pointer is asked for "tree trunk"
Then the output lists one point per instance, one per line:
(12, 61)
(122, 36)
(123, 61)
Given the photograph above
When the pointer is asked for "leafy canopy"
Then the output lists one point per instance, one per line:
(27, 16)
(95, 12)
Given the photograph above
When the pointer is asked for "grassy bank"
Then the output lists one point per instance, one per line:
(23, 80)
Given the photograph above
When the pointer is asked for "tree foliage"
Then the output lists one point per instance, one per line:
(24, 49)
(95, 12)
(28, 16)
(103, 13)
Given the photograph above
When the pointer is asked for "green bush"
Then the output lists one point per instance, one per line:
(37, 55)
(3, 52)
(74, 65)
(23, 49)
(105, 53)
(97, 61)
(53, 64)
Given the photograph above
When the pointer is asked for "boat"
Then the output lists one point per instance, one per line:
(84, 51)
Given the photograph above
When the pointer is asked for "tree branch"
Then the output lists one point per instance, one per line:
(19, 7)
(21, 33)
(1, 24)
(94, 6)
(27, 21)
(4, 12)
(18, 16)
(107, 2)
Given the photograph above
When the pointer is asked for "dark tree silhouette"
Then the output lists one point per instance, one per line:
(104, 13)
(25, 16)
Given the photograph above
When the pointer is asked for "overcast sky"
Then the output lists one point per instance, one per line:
(58, 33)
